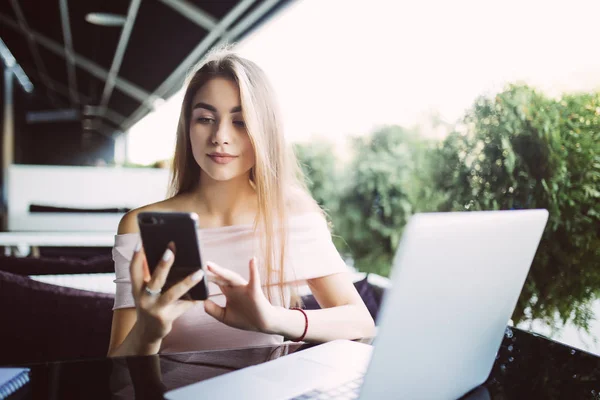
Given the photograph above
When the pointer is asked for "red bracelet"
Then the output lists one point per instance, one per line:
(301, 338)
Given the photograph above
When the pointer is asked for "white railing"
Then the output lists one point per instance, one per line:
(82, 188)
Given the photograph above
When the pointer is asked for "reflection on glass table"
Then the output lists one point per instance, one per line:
(527, 366)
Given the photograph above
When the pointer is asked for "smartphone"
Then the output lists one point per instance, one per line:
(178, 231)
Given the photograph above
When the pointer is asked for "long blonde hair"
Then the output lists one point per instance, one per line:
(276, 176)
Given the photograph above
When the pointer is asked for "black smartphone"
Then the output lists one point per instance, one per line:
(178, 231)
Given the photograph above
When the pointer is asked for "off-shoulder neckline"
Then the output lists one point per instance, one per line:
(236, 227)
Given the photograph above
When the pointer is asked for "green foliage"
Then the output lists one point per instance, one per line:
(318, 164)
(521, 149)
(518, 149)
(379, 196)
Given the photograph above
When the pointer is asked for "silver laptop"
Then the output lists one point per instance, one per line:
(456, 279)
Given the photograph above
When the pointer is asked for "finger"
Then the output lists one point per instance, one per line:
(214, 310)
(159, 277)
(227, 275)
(215, 279)
(180, 288)
(136, 270)
(181, 306)
(146, 270)
(254, 281)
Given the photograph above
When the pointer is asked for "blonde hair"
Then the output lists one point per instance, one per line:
(276, 175)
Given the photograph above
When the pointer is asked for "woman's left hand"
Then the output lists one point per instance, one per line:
(247, 307)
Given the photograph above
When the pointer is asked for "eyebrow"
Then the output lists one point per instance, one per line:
(235, 109)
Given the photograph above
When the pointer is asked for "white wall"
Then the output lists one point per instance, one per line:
(79, 187)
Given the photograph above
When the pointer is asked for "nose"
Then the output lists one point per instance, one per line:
(221, 134)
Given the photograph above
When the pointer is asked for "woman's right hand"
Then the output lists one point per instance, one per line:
(157, 311)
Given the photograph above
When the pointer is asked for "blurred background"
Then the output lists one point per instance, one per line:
(394, 107)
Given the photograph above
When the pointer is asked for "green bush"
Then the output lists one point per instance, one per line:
(521, 149)
(518, 149)
(318, 164)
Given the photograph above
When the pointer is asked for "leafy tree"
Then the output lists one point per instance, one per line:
(517, 149)
(378, 199)
(323, 178)
(521, 149)
(318, 163)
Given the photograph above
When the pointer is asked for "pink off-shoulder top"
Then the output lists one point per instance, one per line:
(310, 253)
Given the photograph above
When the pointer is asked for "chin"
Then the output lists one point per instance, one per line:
(224, 178)
(223, 175)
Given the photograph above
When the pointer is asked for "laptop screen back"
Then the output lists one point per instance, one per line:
(456, 280)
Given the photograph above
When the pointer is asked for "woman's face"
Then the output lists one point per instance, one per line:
(220, 142)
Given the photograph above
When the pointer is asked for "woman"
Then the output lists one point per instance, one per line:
(259, 228)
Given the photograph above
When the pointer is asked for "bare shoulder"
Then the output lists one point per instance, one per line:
(129, 224)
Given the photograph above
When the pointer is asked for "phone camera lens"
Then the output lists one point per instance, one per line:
(149, 220)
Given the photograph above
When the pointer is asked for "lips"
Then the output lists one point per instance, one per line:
(222, 158)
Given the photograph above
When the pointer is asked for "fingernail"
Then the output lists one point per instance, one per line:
(254, 259)
(138, 246)
(198, 275)
(168, 254)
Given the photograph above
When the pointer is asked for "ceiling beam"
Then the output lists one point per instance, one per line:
(104, 112)
(193, 13)
(68, 39)
(22, 25)
(123, 85)
(134, 6)
(178, 75)
(88, 110)
(60, 88)
(248, 21)
(11, 63)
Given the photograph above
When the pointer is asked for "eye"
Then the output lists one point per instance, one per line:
(205, 120)
(241, 124)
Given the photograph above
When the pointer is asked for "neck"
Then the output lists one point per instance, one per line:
(226, 202)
